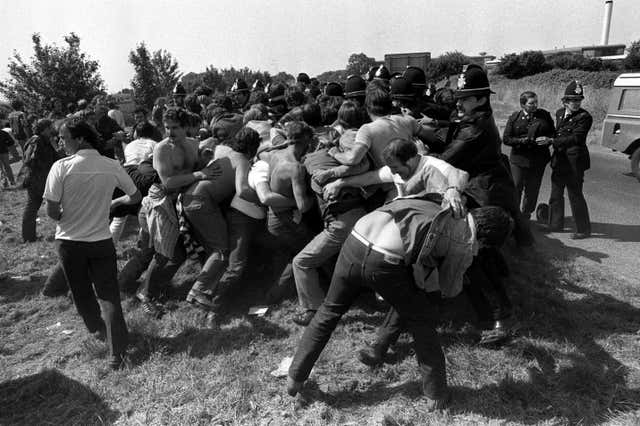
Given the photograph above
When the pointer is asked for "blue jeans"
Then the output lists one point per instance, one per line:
(358, 267)
(242, 229)
(318, 252)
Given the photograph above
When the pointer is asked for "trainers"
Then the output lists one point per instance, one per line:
(150, 307)
(496, 336)
(116, 362)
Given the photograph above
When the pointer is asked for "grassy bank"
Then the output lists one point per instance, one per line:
(575, 360)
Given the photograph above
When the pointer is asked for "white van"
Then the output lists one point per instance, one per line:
(621, 126)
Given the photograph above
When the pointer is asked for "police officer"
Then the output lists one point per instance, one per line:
(528, 159)
(569, 161)
(240, 94)
(178, 95)
(355, 89)
(472, 143)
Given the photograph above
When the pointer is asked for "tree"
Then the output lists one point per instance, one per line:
(155, 74)
(64, 73)
(521, 65)
(632, 61)
(445, 65)
(359, 63)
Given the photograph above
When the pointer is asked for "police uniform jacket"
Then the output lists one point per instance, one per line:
(473, 144)
(570, 143)
(520, 134)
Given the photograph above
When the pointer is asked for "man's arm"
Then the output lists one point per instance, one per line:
(270, 198)
(134, 198)
(374, 177)
(53, 210)
(578, 136)
(299, 185)
(163, 165)
(350, 157)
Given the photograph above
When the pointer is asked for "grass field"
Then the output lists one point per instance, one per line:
(575, 360)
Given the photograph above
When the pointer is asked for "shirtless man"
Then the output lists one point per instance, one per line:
(201, 203)
(288, 178)
(175, 159)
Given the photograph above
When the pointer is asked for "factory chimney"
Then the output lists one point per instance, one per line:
(606, 22)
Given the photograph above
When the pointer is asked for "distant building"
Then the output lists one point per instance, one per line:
(604, 52)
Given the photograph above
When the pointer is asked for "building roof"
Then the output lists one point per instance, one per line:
(581, 48)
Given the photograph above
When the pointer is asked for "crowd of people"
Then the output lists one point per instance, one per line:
(379, 183)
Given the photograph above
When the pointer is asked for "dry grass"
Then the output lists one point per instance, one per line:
(576, 360)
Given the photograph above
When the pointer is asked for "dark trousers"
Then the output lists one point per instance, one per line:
(30, 214)
(289, 238)
(87, 263)
(572, 179)
(160, 272)
(359, 267)
(527, 180)
(485, 288)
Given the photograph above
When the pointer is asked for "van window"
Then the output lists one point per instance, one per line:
(630, 100)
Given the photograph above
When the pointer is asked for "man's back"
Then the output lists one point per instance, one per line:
(377, 134)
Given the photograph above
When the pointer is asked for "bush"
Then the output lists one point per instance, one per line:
(523, 64)
(575, 61)
(632, 61)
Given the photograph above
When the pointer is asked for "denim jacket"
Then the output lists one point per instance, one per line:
(448, 250)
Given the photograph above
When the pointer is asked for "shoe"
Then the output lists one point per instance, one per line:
(200, 298)
(116, 362)
(496, 336)
(100, 335)
(150, 307)
(303, 318)
(437, 404)
(293, 387)
(580, 235)
(542, 213)
(371, 355)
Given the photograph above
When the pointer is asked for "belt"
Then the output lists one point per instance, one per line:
(390, 256)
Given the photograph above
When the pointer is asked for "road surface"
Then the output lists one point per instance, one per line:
(614, 207)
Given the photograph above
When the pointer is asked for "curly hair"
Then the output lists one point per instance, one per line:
(493, 225)
(246, 141)
(177, 114)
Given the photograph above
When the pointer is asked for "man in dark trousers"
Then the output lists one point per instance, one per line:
(569, 161)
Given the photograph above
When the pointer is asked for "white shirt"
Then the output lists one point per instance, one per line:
(118, 116)
(136, 151)
(83, 184)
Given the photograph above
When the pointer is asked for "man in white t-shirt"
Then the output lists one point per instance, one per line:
(78, 192)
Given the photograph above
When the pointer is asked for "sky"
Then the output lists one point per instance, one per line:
(304, 36)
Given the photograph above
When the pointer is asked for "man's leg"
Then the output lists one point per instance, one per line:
(578, 204)
(5, 168)
(160, 272)
(396, 286)
(56, 283)
(241, 232)
(343, 291)
(556, 201)
(316, 253)
(116, 227)
(75, 263)
(135, 266)
(30, 214)
(103, 273)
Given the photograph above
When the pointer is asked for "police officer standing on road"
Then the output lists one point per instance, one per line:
(569, 161)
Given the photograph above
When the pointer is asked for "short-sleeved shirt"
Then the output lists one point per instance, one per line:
(83, 184)
(377, 134)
